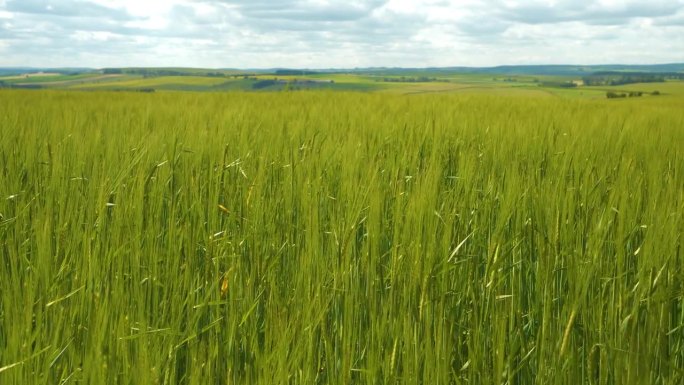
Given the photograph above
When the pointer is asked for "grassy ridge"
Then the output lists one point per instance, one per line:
(319, 237)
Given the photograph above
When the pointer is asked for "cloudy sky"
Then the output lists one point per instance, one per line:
(338, 33)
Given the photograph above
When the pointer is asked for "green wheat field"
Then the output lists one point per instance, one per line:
(340, 238)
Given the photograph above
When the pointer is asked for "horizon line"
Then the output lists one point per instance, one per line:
(33, 67)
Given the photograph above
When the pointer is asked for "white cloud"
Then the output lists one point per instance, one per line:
(338, 33)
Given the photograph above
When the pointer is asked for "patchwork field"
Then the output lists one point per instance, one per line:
(340, 238)
(403, 82)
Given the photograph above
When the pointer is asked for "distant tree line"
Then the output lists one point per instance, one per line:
(631, 94)
(290, 72)
(621, 78)
(265, 83)
(291, 85)
(156, 72)
(558, 84)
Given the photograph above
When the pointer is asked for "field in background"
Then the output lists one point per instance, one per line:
(340, 238)
(401, 82)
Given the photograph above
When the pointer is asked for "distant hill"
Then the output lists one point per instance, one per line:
(9, 71)
(583, 70)
(553, 70)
